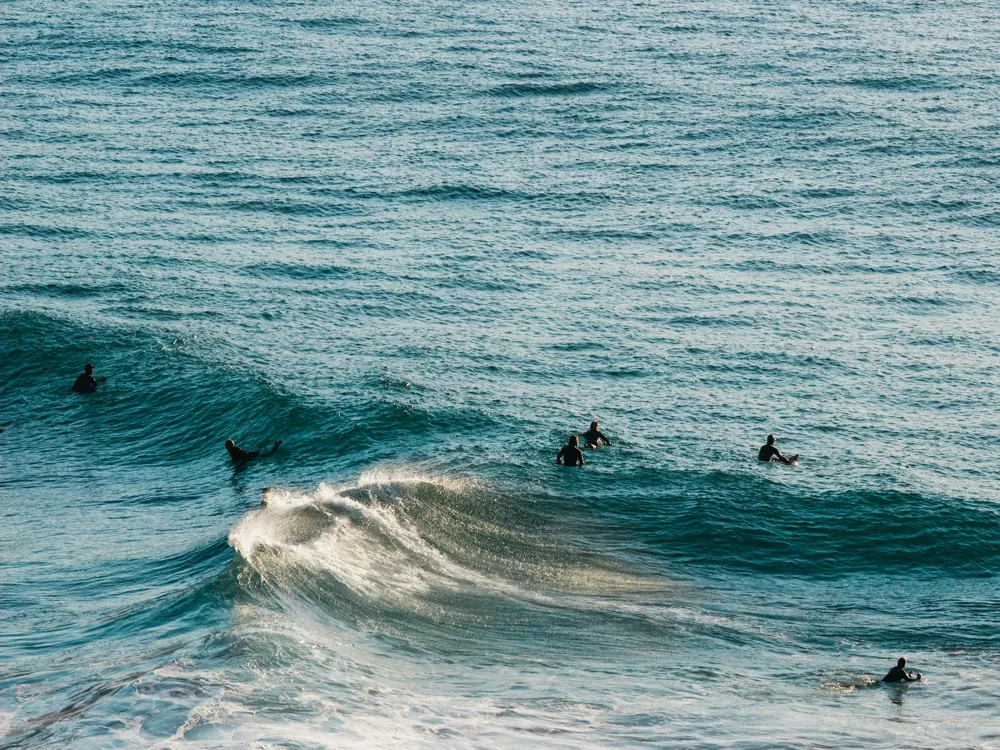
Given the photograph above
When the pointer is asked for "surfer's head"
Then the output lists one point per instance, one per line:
(230, 445)
(770, 439)
(574, 441)
(88, 368)
(594, 426)
(901, 663)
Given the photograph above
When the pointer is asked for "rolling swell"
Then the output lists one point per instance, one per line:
(740, 522)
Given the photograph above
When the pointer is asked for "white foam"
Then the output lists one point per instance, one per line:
(6, 721)
(362, 535)
(370, 547)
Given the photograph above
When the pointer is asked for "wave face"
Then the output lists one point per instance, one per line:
(422, 245)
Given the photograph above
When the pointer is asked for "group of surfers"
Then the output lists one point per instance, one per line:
(570, 455)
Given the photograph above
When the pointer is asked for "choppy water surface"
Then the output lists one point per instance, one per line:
(423, 242)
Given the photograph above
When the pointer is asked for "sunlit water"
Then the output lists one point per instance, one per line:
(423, 242)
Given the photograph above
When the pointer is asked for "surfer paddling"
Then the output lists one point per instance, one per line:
(898, 674)
(770, 453)
(571, 455)
(240, 456)
(593, 438)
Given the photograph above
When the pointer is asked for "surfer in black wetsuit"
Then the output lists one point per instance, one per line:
(85, 381)
(571, 455)
(593, 437)
(240, 456)
(770, 453)
(898, 674)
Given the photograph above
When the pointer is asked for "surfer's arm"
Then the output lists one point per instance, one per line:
(604, 437)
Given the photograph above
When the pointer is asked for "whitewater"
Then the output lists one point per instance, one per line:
(425, 242)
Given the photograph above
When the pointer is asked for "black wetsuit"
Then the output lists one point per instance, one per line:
(769, 453)
(238, 454)
(85, 383)
(898, 674)
(570, 455)
(592, 436)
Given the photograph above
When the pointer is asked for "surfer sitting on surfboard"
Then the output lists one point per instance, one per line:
(593, 437)
(770, 453)
(85, 381)
(239, 455)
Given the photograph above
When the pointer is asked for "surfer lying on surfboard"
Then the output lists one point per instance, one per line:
(239, 455)
(898, 674)
(770, 453)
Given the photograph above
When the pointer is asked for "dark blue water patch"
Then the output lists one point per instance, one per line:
(907, 146)
(71, 177)
(936, 204)
(745, 202)
(287, 113)
(900, 83)
(770, 266)
(459, 192)
(12, 203)
(225, 80)
(93, 76)
(827, 192)
(206, 48)
(712, 321)
(989, 220)
(608, 235)
(285, 206)
(42, 231)
(331, 22)
(979, 161)
(924, 303)
(518, 90)
(469, 283)
(152, 313)
(988, 276)
(70, 290)
(300, 271)
(816, 238)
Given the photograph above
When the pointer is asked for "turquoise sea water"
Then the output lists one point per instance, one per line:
(423, 242)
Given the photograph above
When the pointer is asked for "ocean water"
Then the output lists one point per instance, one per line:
(422, 243)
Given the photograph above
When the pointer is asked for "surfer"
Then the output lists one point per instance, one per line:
(240, 456)
(770, 453)
(85, 381)
(593, 437)
(571, 455)
(898, 674)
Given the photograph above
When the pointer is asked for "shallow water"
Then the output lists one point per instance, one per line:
(424, 242)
